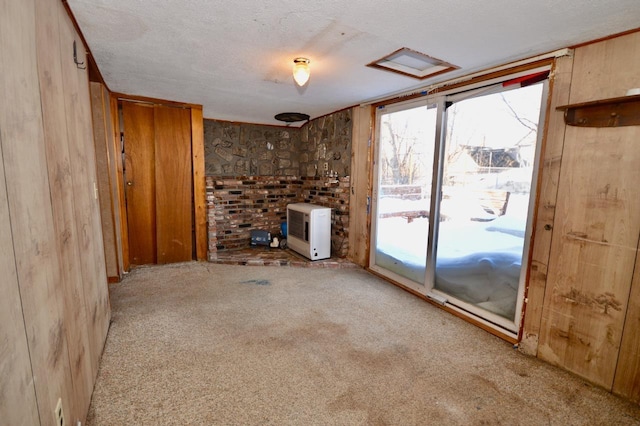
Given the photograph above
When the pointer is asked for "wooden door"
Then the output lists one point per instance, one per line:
(159, 182)
(173, 184)
(140, 181)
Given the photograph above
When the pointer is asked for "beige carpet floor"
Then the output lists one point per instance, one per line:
(205, 344)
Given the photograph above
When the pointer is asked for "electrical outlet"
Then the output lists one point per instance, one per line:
(326, 167)
(59, 413)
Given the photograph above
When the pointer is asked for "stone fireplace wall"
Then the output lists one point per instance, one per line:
(254, 171)
(325, 145)
(241, 149)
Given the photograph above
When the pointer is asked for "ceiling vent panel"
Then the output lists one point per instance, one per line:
(413, 64)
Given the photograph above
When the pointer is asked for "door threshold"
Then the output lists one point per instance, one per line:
(487, 326)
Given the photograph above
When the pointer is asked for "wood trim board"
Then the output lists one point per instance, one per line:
(102, 136)
(199, 185)
(359, 191)
(154, 101)
(547, 191)
(120, 186)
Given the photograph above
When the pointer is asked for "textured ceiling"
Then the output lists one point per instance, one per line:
(235, 57)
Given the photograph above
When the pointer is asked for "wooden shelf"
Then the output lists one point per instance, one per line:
(614, 112)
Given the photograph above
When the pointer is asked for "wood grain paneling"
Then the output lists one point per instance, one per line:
(606, 69)
(359, 191)
(174, 183)
(551, 160)
(596, 225)
(17, 393)
(102, 142)
(627, 379)
(56, 259)
(30, 209)
(199, 185)
(87, 209)
(140, 181)
(592, 253)
(623, 57)
(59, 165)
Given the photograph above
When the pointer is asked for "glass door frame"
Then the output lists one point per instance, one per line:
(437, 102)
(427, 289)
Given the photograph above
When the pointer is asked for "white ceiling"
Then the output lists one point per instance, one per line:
(235, 57)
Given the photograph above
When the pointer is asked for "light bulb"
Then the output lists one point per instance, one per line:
(301, 71)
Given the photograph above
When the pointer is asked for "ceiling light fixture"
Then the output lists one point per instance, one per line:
(301, 71)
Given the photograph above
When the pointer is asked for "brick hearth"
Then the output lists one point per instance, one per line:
(238, 205)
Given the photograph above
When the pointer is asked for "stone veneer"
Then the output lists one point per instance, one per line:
(236, 205)
(242, 149)
(326, 142)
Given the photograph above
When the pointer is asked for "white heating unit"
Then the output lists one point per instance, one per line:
(309, 230)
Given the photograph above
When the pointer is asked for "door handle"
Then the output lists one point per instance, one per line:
(129, 183)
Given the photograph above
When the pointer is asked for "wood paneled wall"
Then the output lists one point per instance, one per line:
(199, 186)
(55, 299)
(627, 378)
(360, 188)
(583, 306)
(17, 394)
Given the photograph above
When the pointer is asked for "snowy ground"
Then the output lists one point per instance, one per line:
(478, 262)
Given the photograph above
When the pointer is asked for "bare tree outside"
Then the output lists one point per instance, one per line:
(402, 159)
(399, 165)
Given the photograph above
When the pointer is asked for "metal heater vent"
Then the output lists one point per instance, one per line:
(296, 225)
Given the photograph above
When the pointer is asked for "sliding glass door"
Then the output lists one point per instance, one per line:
(453, 196)
(403, 192)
